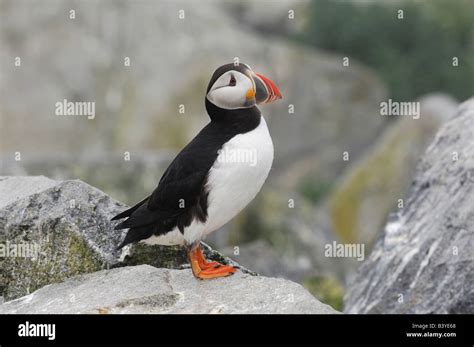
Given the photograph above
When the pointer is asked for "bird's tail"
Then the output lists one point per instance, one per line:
(137, 234)
(128, 212)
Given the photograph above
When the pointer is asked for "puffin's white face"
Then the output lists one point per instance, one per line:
(233, 90)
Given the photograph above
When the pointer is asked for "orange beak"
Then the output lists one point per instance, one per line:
(266, 90)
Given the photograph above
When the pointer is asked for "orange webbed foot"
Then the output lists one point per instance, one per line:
(203, 269)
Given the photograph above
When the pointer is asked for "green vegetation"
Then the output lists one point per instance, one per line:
(327, 290)
(413, 55)
(171, 257)
(315, 189)
(378, 177)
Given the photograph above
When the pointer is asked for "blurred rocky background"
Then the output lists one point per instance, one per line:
(340, 166)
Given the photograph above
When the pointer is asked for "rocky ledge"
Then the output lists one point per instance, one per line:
(146, 289)
(58, 255)
(51, 230)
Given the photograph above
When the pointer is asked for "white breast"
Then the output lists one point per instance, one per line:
(234, 180)
(238, 175)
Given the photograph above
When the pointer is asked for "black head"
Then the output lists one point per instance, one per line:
(237, 87)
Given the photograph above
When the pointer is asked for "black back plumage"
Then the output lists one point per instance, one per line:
(181, 194)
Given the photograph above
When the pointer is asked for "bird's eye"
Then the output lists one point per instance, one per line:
(232, 82)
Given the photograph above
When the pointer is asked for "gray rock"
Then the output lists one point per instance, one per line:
(383, 175)
(64, 224)
(424, 260)
(145, 289)
(63, 229)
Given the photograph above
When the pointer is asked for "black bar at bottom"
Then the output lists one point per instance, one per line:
(448, 330)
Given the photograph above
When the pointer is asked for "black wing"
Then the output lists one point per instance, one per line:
(181, 195)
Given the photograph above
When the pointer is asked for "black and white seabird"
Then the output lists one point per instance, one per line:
(208, 182)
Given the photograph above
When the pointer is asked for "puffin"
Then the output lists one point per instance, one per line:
(211, 179)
